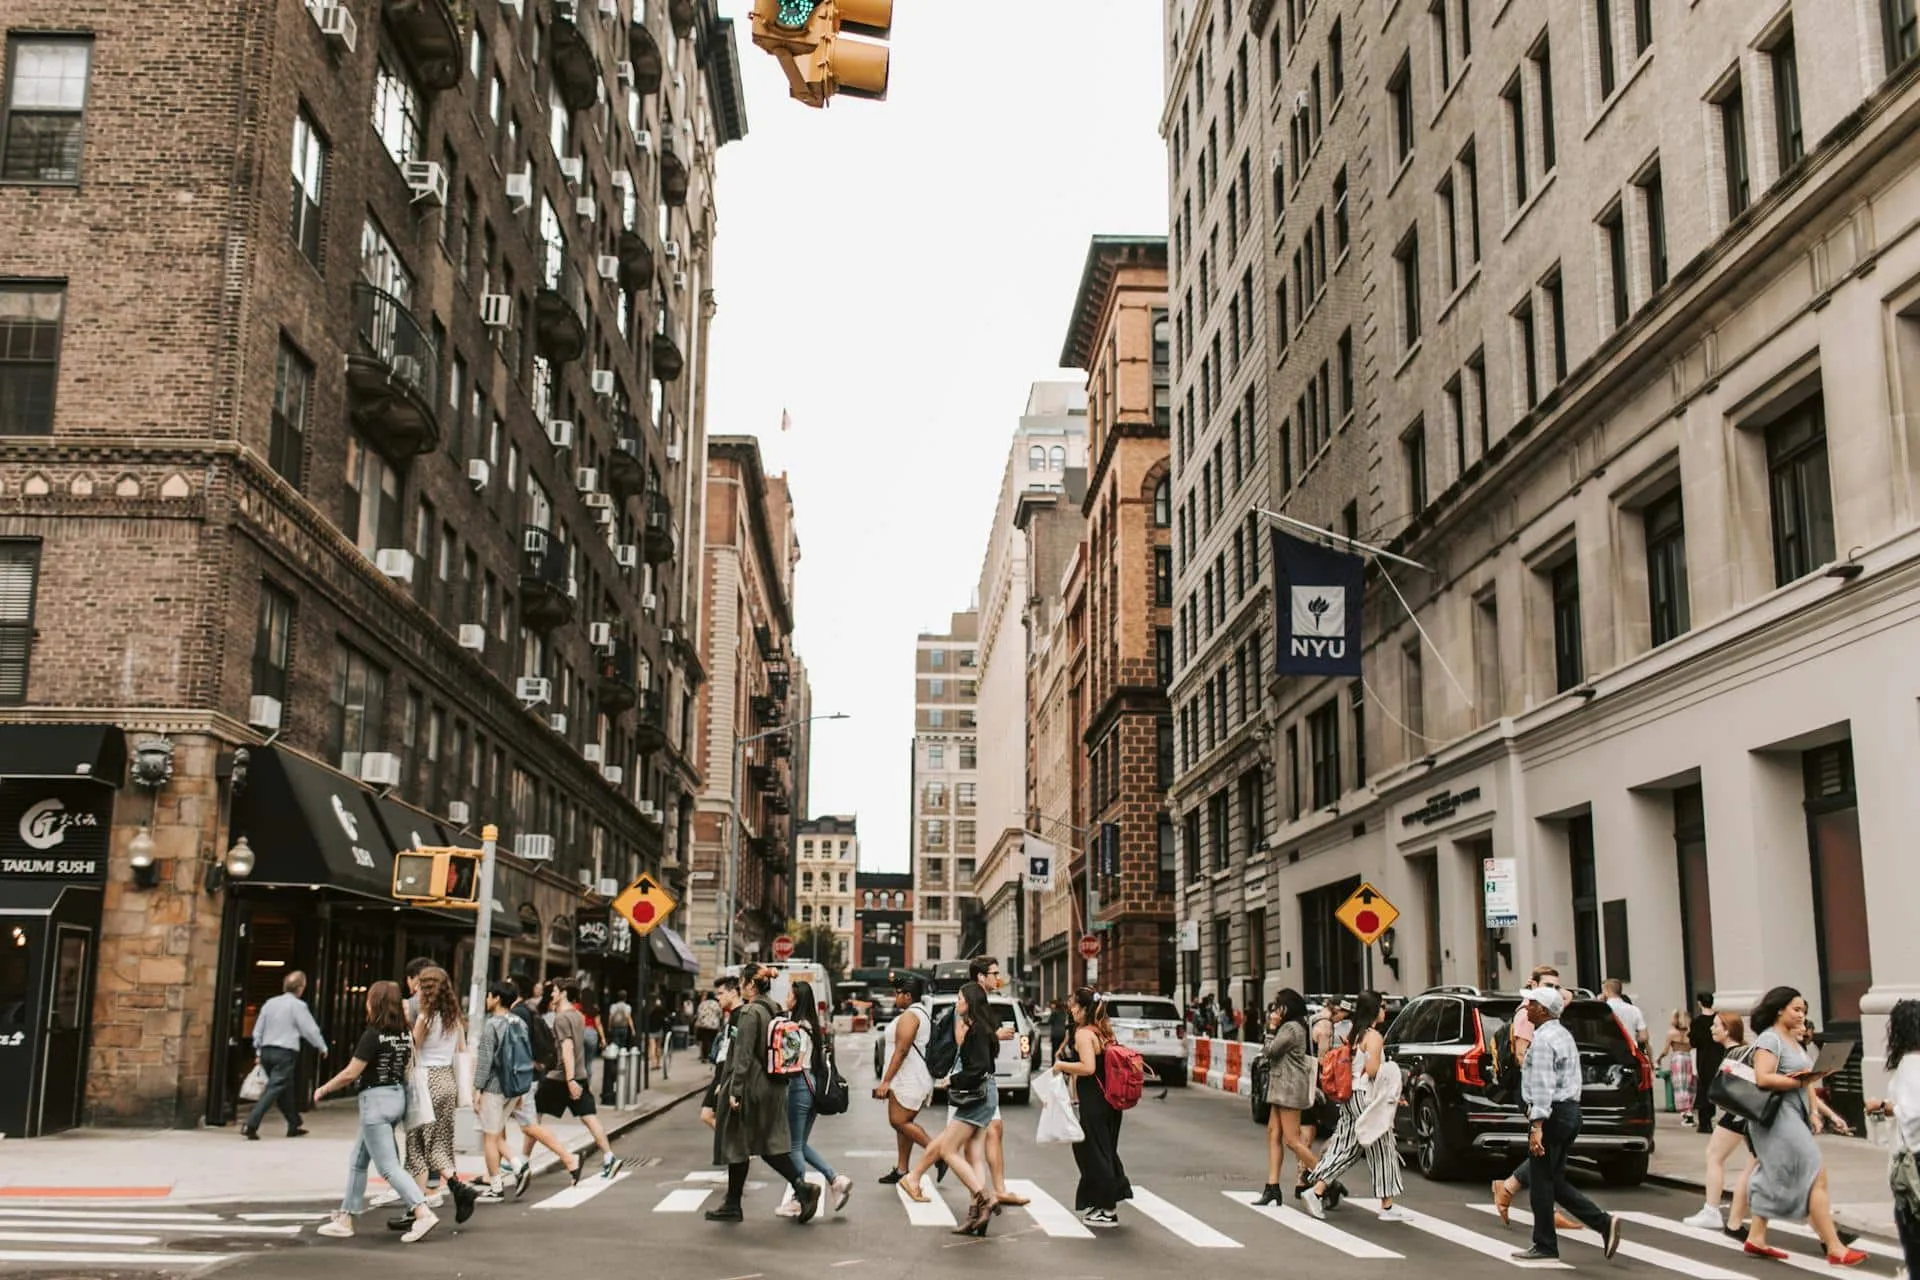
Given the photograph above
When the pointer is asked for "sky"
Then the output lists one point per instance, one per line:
(894, 275)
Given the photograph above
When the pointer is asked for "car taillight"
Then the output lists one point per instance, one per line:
(1026, 1046)
(1645, 1063)
(1469, 1067)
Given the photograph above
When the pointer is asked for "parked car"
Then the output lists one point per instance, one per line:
(1460, 1111)
(1151, 1027)
(1015, 1064)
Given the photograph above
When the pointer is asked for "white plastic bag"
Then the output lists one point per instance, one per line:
(254, 1087)
(419, 1099)
(1059, 1122)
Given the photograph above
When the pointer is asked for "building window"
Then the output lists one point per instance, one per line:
(356, 725)
(1653, 203)
(1413, 699)
(1217, 830)
(30, 316)
(1407, 260)
(1586, 902)
(1323, 744)
(963, 796)
(1357, 706)
(1603, 46)
(1564, 582)
(1733, 146)
(273, 644)
(19, 577)
(1400, 91)
(373, 518)
(1163, 577)
(1542, 59)
(1529, 344)
(1470, 176)
(1293, 773)
(41, 134)
(287, 431)
(1517, 141)
(1667, 568)
(396, 112)
(1556, 295)
(1336, 61)
(1163, 751)
(1801, 491)
(309, 174)
(1163, 834)
(936, 756)
(1642, 26)
(1163, 655)
(1253, 812)
(1486, 656)
(1163, 504)
(1789, 133)
(1413, 451)
(1901, 19)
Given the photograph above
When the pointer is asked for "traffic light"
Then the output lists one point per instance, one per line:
(820, 61)
(449, 877)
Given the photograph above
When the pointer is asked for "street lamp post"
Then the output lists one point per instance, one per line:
(733, 824)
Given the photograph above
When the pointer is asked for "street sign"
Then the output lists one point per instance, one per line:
(783, 947)
(1089, 947)
(1501, 880)
(645, 903)
(1190, 935)
(1367, 914)
(1039, 864)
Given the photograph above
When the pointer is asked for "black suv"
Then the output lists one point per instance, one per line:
(1460, 1110)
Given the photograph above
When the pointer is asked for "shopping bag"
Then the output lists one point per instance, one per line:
(419, 1099)
(463, 1068)
(254, 1087)
(1059, 1122)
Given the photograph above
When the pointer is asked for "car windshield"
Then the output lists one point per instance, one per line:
(1595, 1030)
(1142, 1010)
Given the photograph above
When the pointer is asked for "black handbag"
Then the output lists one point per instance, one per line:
(831, 1098)
(1735, 1090)
(1261, 1082)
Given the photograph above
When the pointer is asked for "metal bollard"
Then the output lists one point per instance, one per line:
(627, 1089)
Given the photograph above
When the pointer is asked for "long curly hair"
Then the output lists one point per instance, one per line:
(438, 1003)
(1903, 1032)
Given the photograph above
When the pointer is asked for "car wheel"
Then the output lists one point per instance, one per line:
(1624, 1171)
(1432, 1151)
(1175, 1073)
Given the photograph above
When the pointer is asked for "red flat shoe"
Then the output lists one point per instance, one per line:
(1851, 1258)
(1765, 1251)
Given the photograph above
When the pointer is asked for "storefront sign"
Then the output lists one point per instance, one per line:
(591, 931)
(1440, 807)
(1190, 935)
(1109, 850)
(51, 829)
(1501, 889)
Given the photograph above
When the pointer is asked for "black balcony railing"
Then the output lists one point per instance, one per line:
(650, 731)
(617, 686)
(429, 35)
(680, 14)
(546, 590)
(669, 347)
(674, 174)
(643, 50)
(576, 56)
(659, 540)
(393, 376)
(766, 712)
(635, 252)
(627, 463)
(560, 309)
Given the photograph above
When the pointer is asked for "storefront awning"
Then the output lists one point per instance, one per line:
(37, 897)
(671, 951)
(96, 751)
(311, 825)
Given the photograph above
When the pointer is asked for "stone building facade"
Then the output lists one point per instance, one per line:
(827, 858)
(944, 779)
(355, 424)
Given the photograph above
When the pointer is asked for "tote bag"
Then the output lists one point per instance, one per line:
(419, 1099)
(1735, 1089)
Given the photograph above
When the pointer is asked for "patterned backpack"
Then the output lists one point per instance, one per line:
(789, 1047)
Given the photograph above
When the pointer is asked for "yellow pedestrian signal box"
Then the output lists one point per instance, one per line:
(810, 39)
(443, 877)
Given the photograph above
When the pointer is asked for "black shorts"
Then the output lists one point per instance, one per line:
(550, 1098)
(1731, 1123)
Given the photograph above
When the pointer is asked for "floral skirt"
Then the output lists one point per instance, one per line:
(1680, 1072)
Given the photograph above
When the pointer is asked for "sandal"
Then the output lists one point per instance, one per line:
(1502, 1201)
(912, 1191)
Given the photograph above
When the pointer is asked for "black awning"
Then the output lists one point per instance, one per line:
(24, 897)
(311, 825)
(671, 951)
(97, 751)
(406, 826)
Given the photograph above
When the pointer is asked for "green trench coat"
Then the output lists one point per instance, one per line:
(759, 1127)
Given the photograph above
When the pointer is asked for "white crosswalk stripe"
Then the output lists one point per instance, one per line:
(57, 1236)
(1721, 1240)
(97, 1258)
(1633, 1249)
(1180, 1222)
(1453, 1233)
(1865, 1244)
(1312, 1228)
(1047, 1213)
(684, 1200)
(585, 1190)
(933, 1213)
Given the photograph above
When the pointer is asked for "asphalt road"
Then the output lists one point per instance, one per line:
(1195, 1160)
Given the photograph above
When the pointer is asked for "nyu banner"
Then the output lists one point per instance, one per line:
(1316, 605)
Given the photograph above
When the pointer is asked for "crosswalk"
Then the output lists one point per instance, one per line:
(139, 1238)
(1226, 1220)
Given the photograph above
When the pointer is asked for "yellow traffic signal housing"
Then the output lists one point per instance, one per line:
(807, 36)
(444, 877)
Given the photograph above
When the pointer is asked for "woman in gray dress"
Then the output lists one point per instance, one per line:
(1789, 1182)
(1290, 1071)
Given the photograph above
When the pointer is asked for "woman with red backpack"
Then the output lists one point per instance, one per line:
(1083, 1059)
(1365, 1083)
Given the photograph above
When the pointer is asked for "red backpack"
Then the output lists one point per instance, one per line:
(1124, 1077)
(1336, 1073)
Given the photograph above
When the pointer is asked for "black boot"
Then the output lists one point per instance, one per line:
(729, 1212)
(1270, 1194)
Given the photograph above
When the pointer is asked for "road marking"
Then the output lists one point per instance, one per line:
(1486, 1246)
(112, 1215)
(284, 1217)
(933, 1213)
(575, 1196)
(683, 1200)
(875, 1154)
(1646, 1253)
(1047, 1213)
(1180, 1222)
(72, 1237)
(93, 1259)
(1864, 1244)
(1720, 1240)
(11, 1223)
(1312, 1228)
(706, 1175)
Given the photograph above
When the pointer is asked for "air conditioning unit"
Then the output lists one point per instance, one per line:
(533, 690)
(624, 73)
(473, 636)
(608, 887)
(573, 588)
(593, 753)
(520, 189)
(1300, 101)
(496, 310)
(458, 813)
(427, 180)
(263, 712)
(626, 555)
(586, 210)
(560, 433)
(380, 769)
(668, 638)
(614, 774)
(621, 180)
(534, 848)
(534, 540)
(679, 282)
(673, 451)
(603, 382)
(479, 471)
(671, 248)
(586, 479)
(600, 634)
(558, 722)
(572, 170)
(338, 26)
(407, 369)
(649, 602)
(602, 511)
(599, 501)
(608, 266)
(609, 8)
(396, 564)
(586, 877)
(643, 140)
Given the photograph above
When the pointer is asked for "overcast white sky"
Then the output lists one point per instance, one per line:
(895, 274)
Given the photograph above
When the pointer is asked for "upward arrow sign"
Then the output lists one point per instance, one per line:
(1367, 895)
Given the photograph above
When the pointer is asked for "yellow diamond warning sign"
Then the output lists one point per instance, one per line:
(1367, 914)
(645, 903)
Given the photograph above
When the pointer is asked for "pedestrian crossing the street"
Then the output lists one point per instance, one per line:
(139, 1238)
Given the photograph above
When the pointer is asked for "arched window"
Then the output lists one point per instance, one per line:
(1036, 458)
(1057, 459)
(1163, 504)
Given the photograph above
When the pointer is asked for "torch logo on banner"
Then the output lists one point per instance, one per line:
(1317, 610)
(1320, 622)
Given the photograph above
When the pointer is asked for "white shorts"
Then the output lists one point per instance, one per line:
(911, 1101)
(495, 1108)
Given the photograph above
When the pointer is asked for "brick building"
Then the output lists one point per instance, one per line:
(751, 713)
(351, 418)
(883, 922)
(1056, 778)
(1120, 334)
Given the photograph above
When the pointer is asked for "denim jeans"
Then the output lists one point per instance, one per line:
(1548, 1183)
(279, 1065)
(800, 1118)
(381, 1109)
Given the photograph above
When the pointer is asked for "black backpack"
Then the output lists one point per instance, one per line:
(546, 1050)
(942, 1049)
(830, 1097)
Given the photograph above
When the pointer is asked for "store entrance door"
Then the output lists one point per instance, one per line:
(63, 1079)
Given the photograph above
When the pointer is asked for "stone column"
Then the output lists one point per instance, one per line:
(1886, 744)
(1761, 881)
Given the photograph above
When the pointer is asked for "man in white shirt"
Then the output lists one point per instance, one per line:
(282, 1023)
(1631, 1018)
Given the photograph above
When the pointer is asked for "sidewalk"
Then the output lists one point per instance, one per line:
(210, 1166)
(1856, 1173)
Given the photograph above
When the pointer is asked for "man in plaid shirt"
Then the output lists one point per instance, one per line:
(1550, 1088)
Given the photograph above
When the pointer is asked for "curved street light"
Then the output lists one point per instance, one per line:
(733, 824)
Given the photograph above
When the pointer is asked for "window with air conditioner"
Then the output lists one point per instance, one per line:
(373, 516)
(273, 644)
(356, 720)
(397, 117)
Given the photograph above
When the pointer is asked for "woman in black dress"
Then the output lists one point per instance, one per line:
(1103, 1179)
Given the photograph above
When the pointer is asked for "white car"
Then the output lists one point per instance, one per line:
(1151, 1026)
(1014, 1067)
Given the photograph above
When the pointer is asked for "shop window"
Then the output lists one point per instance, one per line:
(19, 580)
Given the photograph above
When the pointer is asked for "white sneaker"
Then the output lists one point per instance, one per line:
(1311, 1199)
(1393, 1213)
(842, 1192)
(1707, 1219)
(337, 1227)
(1102, 1218)
(437, 1200)
(422, 1223)
(384, 1199)
(788, 1209)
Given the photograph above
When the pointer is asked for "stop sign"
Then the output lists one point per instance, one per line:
(1089, 946)
(782, 947)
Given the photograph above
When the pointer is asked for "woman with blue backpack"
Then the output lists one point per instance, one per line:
(820, 1090)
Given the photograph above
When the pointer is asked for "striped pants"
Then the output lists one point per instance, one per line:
(430, 1147)
(1345, 1151)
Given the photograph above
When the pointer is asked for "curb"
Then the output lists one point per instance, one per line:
(1847, 1221)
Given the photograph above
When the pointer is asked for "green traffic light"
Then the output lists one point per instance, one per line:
(795, 13)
